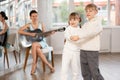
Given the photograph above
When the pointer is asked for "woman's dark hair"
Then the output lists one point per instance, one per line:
(32, 11)
(4, 15)
(75, 15)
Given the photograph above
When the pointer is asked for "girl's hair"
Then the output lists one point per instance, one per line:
(3, 15)
(32, 11)
(91, 6)
(75, 15)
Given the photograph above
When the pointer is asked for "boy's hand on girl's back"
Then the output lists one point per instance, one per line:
(74, 38)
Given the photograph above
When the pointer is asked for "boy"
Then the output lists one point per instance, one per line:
(89, 38)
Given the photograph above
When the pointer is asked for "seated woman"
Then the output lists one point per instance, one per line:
(3, 28)
(36, 46)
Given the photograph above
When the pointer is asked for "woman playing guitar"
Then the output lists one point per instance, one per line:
(36, 46)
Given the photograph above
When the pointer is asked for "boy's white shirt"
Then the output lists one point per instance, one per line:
(89, 35)
(69, 43)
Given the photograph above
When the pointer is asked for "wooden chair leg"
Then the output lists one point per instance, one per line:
(26, 58)
(14, 52)
(6, 56)
(19, 57)
(52, 58)
(4, 59)
(43, 64)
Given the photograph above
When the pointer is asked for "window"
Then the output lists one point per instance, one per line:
(79, 7)
(18, 11)
(112, 12)
(60, 11)
(106, 10)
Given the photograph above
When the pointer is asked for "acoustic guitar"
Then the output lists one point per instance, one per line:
(40, 35)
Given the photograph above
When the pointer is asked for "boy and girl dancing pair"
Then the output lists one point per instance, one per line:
(82, 46)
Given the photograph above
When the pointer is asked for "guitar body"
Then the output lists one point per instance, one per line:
(3, 39)
(26, 41)
(36, 38)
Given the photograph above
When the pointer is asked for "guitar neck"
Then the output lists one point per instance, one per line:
(44, 34)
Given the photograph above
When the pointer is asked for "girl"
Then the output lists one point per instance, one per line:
(70, 57)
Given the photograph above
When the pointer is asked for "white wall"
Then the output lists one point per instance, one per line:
(57, 41)
(105, 45)
(115, 42)
(110, 40)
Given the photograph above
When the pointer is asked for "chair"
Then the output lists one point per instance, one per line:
(9, 47)
(6, 55)
(27, 45)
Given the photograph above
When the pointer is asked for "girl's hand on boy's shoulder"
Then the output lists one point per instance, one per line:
(74, 38)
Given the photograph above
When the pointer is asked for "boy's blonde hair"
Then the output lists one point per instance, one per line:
(91, 6)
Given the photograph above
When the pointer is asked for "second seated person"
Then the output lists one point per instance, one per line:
(36, 46)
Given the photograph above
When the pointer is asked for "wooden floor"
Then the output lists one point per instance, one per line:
(109, 66)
